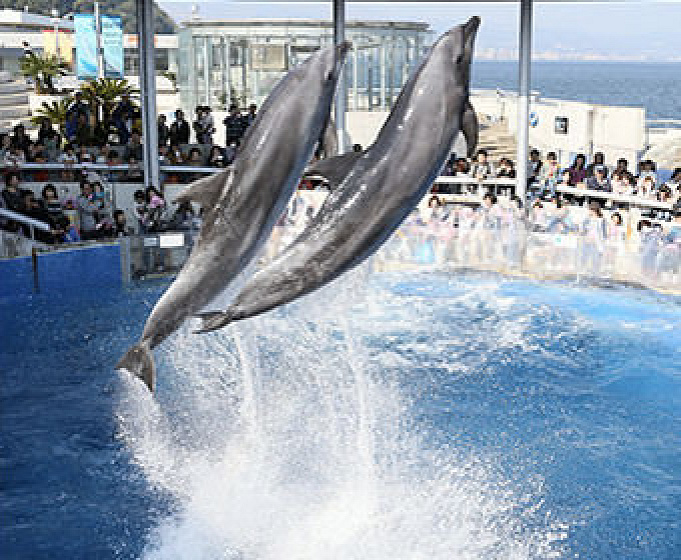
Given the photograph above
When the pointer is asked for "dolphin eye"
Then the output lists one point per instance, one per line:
(329, 76)
(459, 59)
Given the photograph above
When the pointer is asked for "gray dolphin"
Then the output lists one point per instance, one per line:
(241, 204)
(385, 183)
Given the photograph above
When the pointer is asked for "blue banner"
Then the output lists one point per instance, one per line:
(86, 46)
(112, 46)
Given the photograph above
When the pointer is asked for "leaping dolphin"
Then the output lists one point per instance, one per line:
(241, 204)
(382, 187)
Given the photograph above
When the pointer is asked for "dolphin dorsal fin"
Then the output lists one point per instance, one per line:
(206, 191)
(334, 169)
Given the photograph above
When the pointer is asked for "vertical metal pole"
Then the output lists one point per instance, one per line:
(355, 77)
(382, 63)
(207, 71)
(145, 33)
(228, 65)
(341, 91)
(524, 98)
(244, 77)
(98, 36)
(223, 73)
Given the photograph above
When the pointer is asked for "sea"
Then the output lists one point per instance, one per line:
(655, 86)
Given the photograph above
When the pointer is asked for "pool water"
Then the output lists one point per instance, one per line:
(411, 414)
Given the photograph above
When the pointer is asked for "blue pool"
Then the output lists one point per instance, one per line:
(407, 414)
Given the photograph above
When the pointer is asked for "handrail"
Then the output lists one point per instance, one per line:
(629, 199)
(15, 216)
(103, 167)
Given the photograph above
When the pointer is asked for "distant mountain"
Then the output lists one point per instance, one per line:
(124, 8)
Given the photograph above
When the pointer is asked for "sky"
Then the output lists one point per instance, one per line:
(631, 30)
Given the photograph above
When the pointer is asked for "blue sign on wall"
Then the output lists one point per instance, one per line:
(86, 46)
(112, 46)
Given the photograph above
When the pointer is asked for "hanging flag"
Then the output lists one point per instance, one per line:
(112, 46)
(86, 46)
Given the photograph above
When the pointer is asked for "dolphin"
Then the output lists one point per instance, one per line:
(242, 204)
(382, 187)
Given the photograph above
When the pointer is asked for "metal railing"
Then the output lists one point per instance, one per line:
(26, 220)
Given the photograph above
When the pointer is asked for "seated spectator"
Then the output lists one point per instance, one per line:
(16, 157)
(620, 183)
(183, 218)
(156, 206)
(105, 224)
(68, 157)
(175, 156)
(622, 165)
(134, 147)
(249, 117)
(230, 153)
(163, 131)
(505, 169)
(645, 187)
(598, 182)
(87, 208)
(20, 139)
(5, 146)
(551, 171)
(36, 154)
(597, 163)
(462, 167)
(84, 155)
(564, 179)
(134, 174)
(578, 170)
(216, 157)
(113, 158)
(120, 224)
(481, 169)
(195, 158)
(122, 116)
(179, 130)
(79, 107)
(58, 220)
(11, 198)
(534, 166)
(102, 154)
(140, 210)
(100, 135)
(83, 136)
(73, 216)
(50, 138)
(33, 208)
(234, 126)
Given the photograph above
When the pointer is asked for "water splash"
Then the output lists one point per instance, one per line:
(285, 437)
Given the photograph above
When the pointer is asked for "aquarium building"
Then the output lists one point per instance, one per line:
(221, 62)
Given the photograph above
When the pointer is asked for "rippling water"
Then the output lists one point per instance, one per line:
(654, 86)
(412, 414)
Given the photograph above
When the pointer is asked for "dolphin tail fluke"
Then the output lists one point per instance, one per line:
(214, 320)
(139, 361)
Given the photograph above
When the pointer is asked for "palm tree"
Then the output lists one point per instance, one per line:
(42, 70)
(103, 93)
(56, 111)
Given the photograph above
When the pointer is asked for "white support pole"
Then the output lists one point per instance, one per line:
(382, 62)
(98, 38)
(207, 70)
(341, 91)
(145, 32)
(524, 97)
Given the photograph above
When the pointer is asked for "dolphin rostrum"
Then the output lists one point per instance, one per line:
(241, 204)
(382, 187)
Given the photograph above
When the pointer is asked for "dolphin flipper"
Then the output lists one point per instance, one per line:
(139, 361)
(469, 127)
(334, 169)
(206, 191)
(213, 320)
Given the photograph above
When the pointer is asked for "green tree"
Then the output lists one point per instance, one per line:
(102, 95)
(42, 70)
(56, 111)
